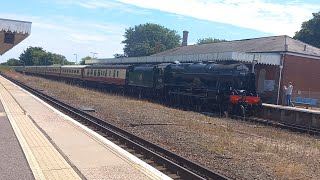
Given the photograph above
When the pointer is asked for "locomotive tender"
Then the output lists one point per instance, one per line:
(210, 86)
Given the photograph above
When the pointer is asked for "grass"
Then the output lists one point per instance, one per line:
(290, 170)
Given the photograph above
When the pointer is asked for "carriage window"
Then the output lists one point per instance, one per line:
(91, 72)
(117, 73)
(114, 73)
(109, 73)
(78, 71)
(98, 72)
(95, 73)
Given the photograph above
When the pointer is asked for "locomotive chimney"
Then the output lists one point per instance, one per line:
(185, 38)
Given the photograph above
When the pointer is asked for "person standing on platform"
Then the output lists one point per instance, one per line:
(288, 91)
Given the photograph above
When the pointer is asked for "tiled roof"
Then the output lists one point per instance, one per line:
(257, 45)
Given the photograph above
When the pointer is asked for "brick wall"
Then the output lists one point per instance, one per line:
(304, 73)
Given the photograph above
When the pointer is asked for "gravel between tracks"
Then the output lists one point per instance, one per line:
(239, 150)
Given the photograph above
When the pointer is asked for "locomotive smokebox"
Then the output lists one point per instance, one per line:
(185, 38)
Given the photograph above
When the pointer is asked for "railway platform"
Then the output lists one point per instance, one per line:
(39, 142)
(291, 115)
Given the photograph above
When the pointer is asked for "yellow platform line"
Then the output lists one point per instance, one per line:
(43, 158)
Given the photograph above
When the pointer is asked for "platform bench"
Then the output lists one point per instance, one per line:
(305, 101)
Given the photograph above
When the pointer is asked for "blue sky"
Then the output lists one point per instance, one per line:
(79, 27)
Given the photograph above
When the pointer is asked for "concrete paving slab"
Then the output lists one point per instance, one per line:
(13, 164)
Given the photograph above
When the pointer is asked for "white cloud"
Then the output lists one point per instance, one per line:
(103, 4)
(255, 14)
(69, 36)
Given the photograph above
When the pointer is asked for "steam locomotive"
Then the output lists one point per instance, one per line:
(202, 86)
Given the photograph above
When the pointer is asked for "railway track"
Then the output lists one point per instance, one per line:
(282, 125)
(167, 162)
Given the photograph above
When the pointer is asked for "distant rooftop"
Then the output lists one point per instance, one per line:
(12, 32)
(272, 44)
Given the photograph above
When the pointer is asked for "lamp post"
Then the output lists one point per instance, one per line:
(93, 53)
(76, 57)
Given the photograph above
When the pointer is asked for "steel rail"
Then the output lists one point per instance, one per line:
(283, 125)
(182, 167)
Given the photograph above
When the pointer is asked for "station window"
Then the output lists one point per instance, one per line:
(9, 37)
(91, 72)
(114, 73)
(117, 73)
(95, 73)
(98, 73)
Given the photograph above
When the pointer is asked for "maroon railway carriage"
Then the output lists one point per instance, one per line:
(53, 71)
(73, 72)
(106, 74)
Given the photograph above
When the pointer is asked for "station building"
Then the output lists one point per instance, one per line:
(12, 32)
(276, 61)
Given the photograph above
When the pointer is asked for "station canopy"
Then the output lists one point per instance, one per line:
(256, 58)
(12, 32)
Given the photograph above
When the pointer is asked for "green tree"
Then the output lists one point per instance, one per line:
(141, 39)
(209, 40)
(310, 31)
(30, 56)
(13, 62)
(83, 60)
(35, 56)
